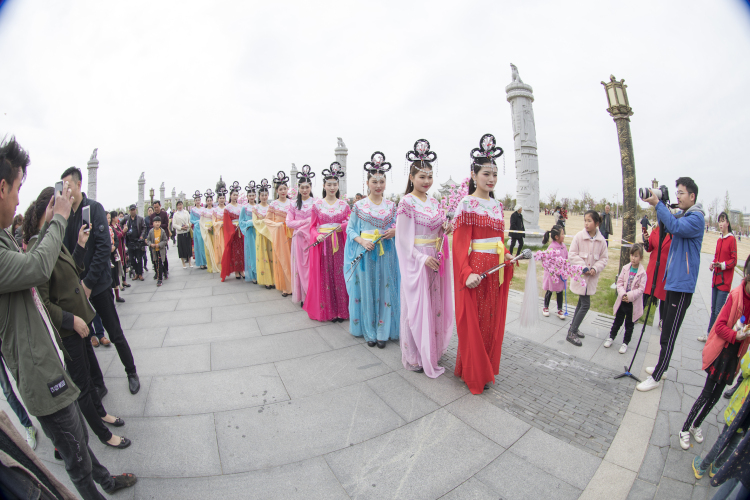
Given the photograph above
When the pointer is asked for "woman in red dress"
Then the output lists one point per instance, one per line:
(233, 260)
(481, 304)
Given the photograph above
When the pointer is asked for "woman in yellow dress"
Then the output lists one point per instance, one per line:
(281, 235)
(263, 246)
(207, 231)
(218, 220)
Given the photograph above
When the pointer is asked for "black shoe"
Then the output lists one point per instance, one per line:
(117, 423)
(57, 455)
(486, 386)
(154, 276)
(237, 277)
(158, 283)
(730, 392)
(124, 443)
(268, 287)
(381, 344)
(134, 383)
(120, 300)
(302, 303)
(371, 344)
(580, 335)
(573, 339)
(122, 481)
(420, 370)
(101, 391)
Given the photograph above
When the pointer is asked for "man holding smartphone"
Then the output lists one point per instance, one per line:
(97, 278)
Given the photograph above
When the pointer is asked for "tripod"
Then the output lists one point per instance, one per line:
(651, 300)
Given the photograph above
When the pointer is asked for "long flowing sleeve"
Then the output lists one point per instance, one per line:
(313, 226)
(410, 260)
(246, 221)
(352, 229)
(461, 243)
(260, 225)
(293, 222)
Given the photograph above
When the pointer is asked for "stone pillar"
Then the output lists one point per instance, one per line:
(293, 175)
(93, 166)
(162, 190)
(141, 193)
(173, 200)
(341, 153)
(520, 96)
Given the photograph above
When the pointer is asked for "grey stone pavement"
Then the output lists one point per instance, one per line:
(243, 396)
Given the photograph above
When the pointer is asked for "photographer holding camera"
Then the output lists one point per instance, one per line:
(682, 265)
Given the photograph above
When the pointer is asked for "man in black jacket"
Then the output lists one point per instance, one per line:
(97, 277)
(516, 224)
(162, 214)
(606, 225)
(135, 231)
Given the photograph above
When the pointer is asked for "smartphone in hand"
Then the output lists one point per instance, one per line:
(86, 217)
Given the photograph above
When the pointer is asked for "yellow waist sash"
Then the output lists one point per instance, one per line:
(326, 230)
(373, 237)
(426, 241)
(497, 246)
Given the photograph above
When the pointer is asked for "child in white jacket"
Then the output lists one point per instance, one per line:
(629, 305)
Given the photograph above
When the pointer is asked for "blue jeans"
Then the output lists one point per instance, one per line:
(713, 454)
(11, 397)
(97, 327)
(718, 299)
(732, 489)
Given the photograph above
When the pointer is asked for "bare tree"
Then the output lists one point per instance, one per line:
(713, 211)
(727, 203)
(552, 199)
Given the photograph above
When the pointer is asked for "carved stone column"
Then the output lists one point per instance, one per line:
(93, 166)
(341, 153)
(141, 193)
(293, 175)
(162, 193)
(520, 96)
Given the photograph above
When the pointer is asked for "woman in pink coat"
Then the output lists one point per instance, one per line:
(589, 250)
(629, 305)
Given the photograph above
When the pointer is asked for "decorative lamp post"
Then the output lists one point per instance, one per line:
(151, 193)
(619, 109)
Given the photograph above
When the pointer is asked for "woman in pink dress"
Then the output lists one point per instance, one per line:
(422, 248)
(327, 299)
(298, 219)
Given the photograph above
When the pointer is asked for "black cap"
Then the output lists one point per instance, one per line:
(133, 207)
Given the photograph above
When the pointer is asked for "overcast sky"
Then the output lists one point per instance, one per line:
(188, 90)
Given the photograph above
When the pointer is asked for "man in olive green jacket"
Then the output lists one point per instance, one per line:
(30, 344)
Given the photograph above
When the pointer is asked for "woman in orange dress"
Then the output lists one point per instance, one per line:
(281, 236)
(481, 304)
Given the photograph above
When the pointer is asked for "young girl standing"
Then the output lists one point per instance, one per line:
(195, 223)
(327, 299)
(629, 305)
(589, 250)
(263, 245)
(722, 267)
(373, 284)
(557, 233)
(421, 244)
(233, 260)
(481, 304)
(281, 236)
(298, 219)
(207, 231)
(248, 231)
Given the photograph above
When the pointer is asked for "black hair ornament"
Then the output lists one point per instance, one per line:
(235, 187)
(197, 194)
(209, 194)
(422, 154)
(263, 186)
(280, 179)
(250, 188)
(334, 172)
(488, 148)
(306, 175)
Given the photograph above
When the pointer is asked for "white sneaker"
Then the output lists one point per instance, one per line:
(647, 385)
(623, 348)
(607, 343)
(684, 440)
(650, 371)
(702, 338)
(696, 434)
(561, 314)
(545, 312)
(31, 437)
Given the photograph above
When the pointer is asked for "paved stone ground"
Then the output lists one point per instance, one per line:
(243, 396)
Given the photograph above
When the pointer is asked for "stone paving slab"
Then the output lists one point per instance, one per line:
(218, 332)
(402, 397)
(266, 349)
(166, 361)
(498, 425)
(146, 338)
(421, 460)
(473, 489)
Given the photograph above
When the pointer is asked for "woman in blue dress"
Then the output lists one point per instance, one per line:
(195, 222)
(373, 282)
(247, 228)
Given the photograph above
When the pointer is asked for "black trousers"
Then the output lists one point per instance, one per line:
(136, 260)
(606, 235)
(704, 404)
(104, 304)
(513, 240)
(548, 297)
(624, 314)
(159, 269)
(79, 369)
(659, 302)
(66, 430)
(677, 304)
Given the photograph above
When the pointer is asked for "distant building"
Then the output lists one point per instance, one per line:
(445, 188)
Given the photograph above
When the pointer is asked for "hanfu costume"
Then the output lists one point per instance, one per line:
(195, 223)
(233, 260)
(207, 231)
(327, 298)
(248, 232)
(263, 246)
(281, 237)
(373, 283)
(480, 312)
(218, 220)
(298, 220)
(426, 295)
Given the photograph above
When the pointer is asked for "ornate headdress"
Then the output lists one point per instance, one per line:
(209, 194)
(222, 192)
(306, 175)
(377, 164)
(197, 194)
(235, 187)
(250, 188)
(280, 179)
(335, 172)
(487, 149)
(422, 155)
(263, 186)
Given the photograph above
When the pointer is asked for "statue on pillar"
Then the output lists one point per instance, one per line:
(221, 184)
(93, 155)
